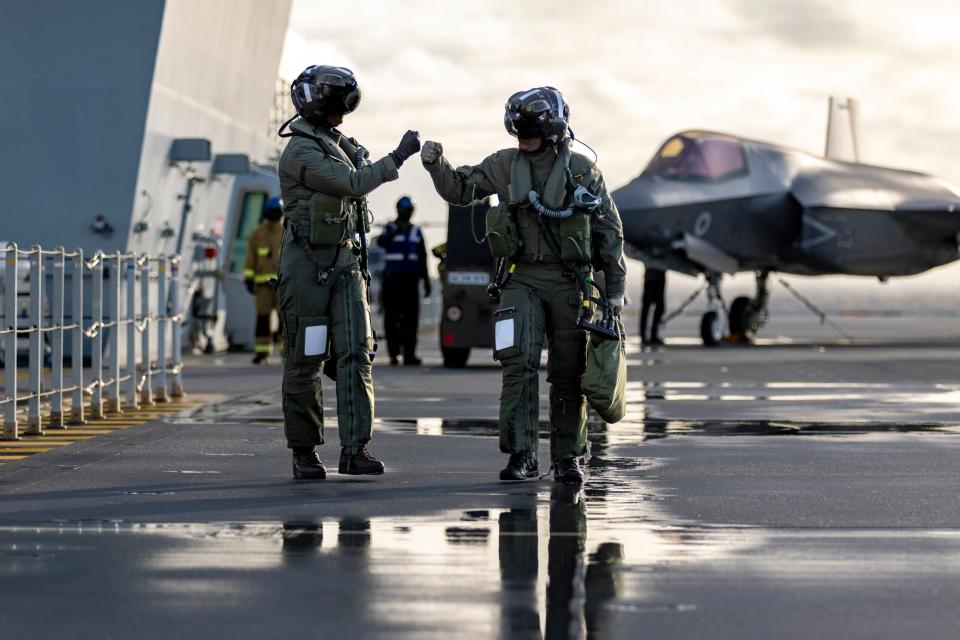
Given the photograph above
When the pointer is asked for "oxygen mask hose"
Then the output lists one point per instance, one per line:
(544, 211)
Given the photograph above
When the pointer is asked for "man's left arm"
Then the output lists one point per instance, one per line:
(608, 240)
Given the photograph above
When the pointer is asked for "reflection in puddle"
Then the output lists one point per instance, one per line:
(821, 392)
(531, 571)
(636, 431)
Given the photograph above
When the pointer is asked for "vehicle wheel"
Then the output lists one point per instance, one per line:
(711, 329)
(741, 317)
(454, 358)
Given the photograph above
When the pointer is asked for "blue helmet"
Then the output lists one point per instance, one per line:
(273, 210)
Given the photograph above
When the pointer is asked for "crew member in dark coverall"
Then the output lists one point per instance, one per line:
(405, 265)
(654, 292)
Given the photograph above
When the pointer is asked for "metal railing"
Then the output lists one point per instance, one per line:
(53, 311)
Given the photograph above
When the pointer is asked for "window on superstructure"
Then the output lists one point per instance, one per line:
(251, 211)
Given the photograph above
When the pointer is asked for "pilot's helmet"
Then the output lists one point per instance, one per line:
(322, 90)
(537, 113)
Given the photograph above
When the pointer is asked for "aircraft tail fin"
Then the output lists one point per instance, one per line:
(843, 130)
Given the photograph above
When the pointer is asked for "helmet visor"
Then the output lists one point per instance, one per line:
(340, 99)
(521, 127)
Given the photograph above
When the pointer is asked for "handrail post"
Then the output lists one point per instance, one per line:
(146, 385)
(176, 385)
(56, 338)
(76, 359)
(160, 391)
(131, 275)
(10, 343)
(96, 346)
(114, 401)
(35, 357)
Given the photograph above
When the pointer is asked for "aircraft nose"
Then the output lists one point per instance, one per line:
(636, 194)
(632, 199)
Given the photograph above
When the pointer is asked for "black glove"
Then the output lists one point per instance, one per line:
(409, 145)
(426, 289)
(248, 283)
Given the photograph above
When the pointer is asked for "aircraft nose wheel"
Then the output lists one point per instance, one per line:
(711, 328)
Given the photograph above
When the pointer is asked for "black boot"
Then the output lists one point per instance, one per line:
(260, 358)
(569, 471)
(359, 464)
(307, 466)
(521, 466)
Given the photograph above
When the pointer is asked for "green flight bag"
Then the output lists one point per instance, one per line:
(605, 377)
(329, 220)
(575, 246)
(502, 235)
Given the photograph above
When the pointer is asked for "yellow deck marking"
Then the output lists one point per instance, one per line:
(11, 450)
(33, 443)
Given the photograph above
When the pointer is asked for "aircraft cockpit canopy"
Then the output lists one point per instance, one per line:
(699, 156)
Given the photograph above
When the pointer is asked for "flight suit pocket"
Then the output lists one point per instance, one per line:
(313, 340)
(502, 236)
(575, 238)
(507, 333)
(328, 220)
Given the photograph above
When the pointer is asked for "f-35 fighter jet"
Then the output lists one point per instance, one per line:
(712, 203)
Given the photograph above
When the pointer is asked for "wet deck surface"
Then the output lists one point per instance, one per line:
(783, 491)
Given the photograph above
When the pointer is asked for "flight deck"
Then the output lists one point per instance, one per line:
(810, 485)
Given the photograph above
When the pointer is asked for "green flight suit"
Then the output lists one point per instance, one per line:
(313, 313)
(542, 299)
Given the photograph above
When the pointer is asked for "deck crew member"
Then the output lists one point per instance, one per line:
(654, 294)
(405, 265)
(260, 273)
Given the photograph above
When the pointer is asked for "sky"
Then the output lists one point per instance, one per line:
(635, 72)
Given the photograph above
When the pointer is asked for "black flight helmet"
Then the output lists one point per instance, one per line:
(322, 90)
(537, 113)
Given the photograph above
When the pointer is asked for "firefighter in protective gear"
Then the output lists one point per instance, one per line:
(259, 273)
(550, 230)
(405, 265)
(325, 177)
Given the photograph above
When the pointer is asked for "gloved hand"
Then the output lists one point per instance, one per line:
(409, 145)
(248, 283)
(426, 289)
(431, 152)
(617, 305)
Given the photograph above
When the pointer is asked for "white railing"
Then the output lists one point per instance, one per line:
(93, 321)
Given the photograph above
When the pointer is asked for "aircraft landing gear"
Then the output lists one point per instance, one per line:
(745, 318)
(747, 315)
(713, 324)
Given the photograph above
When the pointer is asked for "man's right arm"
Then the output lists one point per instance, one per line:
(309, 165)
(459, 186)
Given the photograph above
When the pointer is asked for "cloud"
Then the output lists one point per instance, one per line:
(808, 24)
(636, 72)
